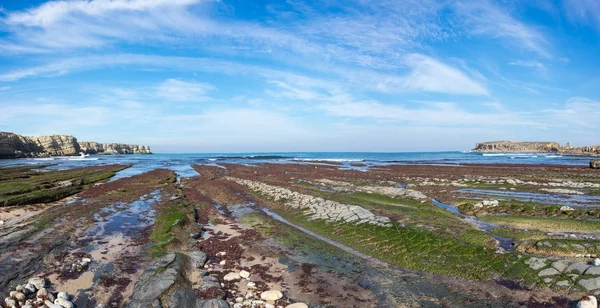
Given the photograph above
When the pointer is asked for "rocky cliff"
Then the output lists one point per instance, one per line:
(17, 146)
(513, 146)
(113, 148)
(13, 145)
(536, 147)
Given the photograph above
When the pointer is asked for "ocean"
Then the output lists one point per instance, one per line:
(182, 163)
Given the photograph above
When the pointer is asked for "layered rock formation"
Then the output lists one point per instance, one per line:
(113, 148)
(512, 146)
(13, 145)
(17, 146)
(536, 147)
(57, 145)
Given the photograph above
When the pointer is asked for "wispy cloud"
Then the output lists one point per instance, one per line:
(487, 19)
(430, 75)
(583, 12)
(183, 91)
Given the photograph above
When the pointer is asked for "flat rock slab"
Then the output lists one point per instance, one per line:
(548, 272)
(577, 267)
(590, 284)
(594, 270)
(188, 299)
(561, 265)
(536, 263)
(156, 280)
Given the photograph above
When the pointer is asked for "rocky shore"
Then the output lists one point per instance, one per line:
(536, 147)
(16, 146)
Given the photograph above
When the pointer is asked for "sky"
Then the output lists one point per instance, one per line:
(263, 76)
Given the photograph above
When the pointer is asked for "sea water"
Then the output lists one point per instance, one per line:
(182, 163)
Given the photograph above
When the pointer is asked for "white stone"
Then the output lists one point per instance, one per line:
(29, 287)
(596, 262)
(63, 295)
(588, 302)
(38, 282)
(222, 262)
(251, 285)
(244, 274)
(64, 303)
(297, 305)
(232, 276)
(267, 305)
(10, 302)
(566, 208)
(271, 295)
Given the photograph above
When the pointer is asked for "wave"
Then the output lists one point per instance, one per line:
(553, 156)
(258, 157)
(44, 158)
(337, 160)
(78, 158)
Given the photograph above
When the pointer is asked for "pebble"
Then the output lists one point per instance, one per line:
(239, 299)
(588, 302)
(10, 302)
(271, 295)
(221, 253)
(596, 262)
(297, 305)
(29, 288)
(267, 305)
(222, 262)
(251, 285)
(38, 282)
(18, 295)
(232, 276)
(42, 293)
(244, 274)
(63, 302)
(63, 295)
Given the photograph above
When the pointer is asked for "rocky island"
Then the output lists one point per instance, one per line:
(16, 146)
(536, 147)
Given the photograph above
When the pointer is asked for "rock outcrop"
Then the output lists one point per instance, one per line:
(17, 146)
(513, 146)
(13, 145)
(536, 147)
(57, 145)
(113, 148)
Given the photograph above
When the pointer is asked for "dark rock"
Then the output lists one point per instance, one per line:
(83, 300)
(156, 280)
(187, 298)
(198, 258)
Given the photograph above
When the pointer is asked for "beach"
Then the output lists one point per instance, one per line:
(325, 231)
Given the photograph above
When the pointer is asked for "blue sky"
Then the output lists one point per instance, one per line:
(353, 75)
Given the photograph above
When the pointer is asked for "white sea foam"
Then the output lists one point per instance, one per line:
(337, 160)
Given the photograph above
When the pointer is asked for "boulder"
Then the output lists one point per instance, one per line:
(595, 164)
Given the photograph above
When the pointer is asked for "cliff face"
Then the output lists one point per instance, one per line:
(512, 146)
(13, 145)
(17, 146)
(113, 148)
(536, 147)
(57, 145)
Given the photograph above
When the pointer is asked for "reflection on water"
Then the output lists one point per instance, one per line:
(571, 200)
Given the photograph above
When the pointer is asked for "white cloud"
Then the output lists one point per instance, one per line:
(577, 112)
(53, 12)
(486, 19)
(428, 114)
(583, 11)
(430, 75)
(183, 91)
